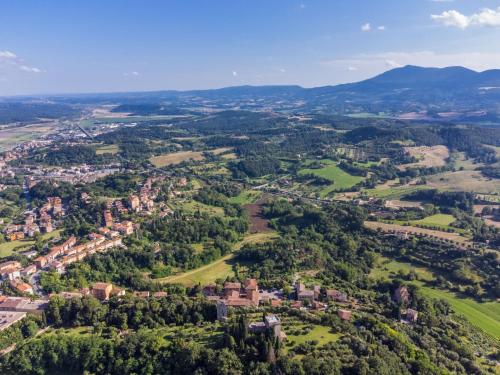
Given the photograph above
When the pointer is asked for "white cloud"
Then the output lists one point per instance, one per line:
(9, 60)
(282, 70)
(7, 55)
(352, 68)
(132, 74)
(442, 1)
(30, 69)
(366, 27)
(381, 28)
(302, 6)
(486, 17)
(235, 74)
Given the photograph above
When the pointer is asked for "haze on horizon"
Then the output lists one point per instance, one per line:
(130, 45)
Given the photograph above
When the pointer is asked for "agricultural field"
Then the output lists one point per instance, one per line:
(341, 179)
(483, 315)
(13, 135)
(246, 197)
(410, 229)
(465, 180)
(221, 268)
(107, 149)
(393, 191)
(436, 220)
(426, 156)
(178, 157)
(175, 158)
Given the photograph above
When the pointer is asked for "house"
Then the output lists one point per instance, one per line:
(306, 295)
(29, 270)
(336, 295)
(134, 202)
(232, 289)
(402, 295)
(102, 291)
(411, 315)
(252, 291)
(21, 286)
(344, 314)
(40, 262)
(318, 306)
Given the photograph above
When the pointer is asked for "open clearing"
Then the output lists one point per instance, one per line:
(107, 149)
(8, 248)
(483, 315)
(258, 223)
(221, 268)
(434, 156)
(175, 158)
(321, 334)
(415, 230)
(464, 181)
(341, 179)
(178, 157)
(438, 219)
(246, 197)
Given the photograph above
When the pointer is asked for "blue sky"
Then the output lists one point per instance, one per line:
(65, 46)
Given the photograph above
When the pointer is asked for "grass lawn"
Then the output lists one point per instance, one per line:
(483, 315)
(246, 197)
(320, 333)
(220, 269)
(437, 220)
(193, 206)
(7, 248)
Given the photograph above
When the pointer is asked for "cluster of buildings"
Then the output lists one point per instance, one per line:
(36, 221)
(235, 294)
(14, 309)
(83, 173)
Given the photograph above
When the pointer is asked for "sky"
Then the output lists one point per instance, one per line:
(73, 46)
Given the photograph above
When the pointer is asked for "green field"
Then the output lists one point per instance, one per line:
(437, 220)
(393, 192)
(246, 197)
(192, 206)
(483, 315)
(341, 179)
(7, 248)
(321, 334)
(220, 269)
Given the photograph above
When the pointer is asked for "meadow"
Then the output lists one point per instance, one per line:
(341, 179)
(483, 315)
(220, 269)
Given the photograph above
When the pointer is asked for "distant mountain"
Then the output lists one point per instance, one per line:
(417, 89)
(410, 92)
